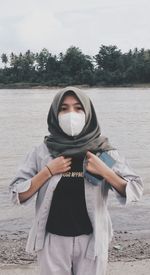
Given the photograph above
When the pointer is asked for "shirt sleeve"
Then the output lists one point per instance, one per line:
(22, 180)
(134, 187)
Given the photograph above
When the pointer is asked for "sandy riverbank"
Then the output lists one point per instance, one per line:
(129, 253)
(125, 247)
(115, 268)
(42, 86)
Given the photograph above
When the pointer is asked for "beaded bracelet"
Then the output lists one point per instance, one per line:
(49, 170)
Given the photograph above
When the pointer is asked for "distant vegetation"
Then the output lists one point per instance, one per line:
(108, 67)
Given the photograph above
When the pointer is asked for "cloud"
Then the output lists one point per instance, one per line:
(39, 29)
(56, 25)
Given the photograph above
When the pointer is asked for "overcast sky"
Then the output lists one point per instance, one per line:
(58, 24)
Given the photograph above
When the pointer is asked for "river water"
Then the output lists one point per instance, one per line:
(124, 116)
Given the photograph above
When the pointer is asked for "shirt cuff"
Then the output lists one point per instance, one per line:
(133, 193)
(19, 188)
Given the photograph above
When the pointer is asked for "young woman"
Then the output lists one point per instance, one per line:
(72, 227)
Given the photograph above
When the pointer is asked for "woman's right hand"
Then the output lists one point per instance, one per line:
(59, 165)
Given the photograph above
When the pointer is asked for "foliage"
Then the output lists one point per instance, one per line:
(108, 67)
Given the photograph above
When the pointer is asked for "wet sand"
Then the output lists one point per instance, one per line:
(125, 247)
(117, 268)
(129, 253)
(131, 268)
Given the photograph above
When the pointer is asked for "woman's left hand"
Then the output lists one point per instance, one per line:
(96, 166)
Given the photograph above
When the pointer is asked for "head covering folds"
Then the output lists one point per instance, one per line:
(89, 139)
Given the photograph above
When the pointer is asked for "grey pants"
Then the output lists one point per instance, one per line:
(66, 256)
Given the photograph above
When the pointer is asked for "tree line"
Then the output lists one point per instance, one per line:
(108, 67)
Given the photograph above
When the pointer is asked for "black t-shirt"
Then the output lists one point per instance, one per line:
(68, 214)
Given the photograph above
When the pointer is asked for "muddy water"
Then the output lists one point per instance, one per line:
(124, 116)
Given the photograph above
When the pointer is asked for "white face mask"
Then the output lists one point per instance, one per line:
(72, 123)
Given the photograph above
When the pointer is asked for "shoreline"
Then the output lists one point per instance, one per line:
(33, 86)
(129, 251)
(117, 268)
(126, 246)
(131, 240)
(127, 255)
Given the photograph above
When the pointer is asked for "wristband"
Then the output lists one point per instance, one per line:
(49, 170)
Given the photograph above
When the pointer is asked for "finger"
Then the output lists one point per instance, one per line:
(89, 154)
(62, 158)
(67, 164)
(67, 169)
(69, 160)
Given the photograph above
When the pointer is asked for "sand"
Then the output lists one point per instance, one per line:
(129, 251)
(114, 268)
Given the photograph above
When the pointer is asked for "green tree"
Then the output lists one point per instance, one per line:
(41, 60)
(109, 65)
(74, 64)
(108, 58)
(4, 58)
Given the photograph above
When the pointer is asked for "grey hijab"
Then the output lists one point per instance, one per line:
(89, 139)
